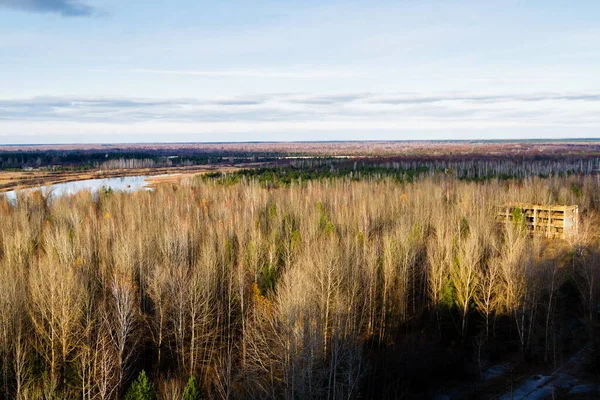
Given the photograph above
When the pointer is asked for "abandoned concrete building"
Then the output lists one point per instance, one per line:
(554, 222)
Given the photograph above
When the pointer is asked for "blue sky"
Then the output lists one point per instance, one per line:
(145, 71)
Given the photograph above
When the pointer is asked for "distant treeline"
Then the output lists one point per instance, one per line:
(405, 171)
(117, 159)
(479, 166)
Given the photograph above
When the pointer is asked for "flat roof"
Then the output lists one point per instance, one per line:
(551, 207)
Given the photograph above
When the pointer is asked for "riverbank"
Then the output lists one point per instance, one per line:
(18, 180)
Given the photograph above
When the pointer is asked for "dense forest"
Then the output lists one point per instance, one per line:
(484, 169)
(106, 160)
(322, 288)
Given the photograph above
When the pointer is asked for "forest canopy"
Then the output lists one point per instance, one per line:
(333, 288)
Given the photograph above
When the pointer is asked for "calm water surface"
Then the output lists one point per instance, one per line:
(126, 183)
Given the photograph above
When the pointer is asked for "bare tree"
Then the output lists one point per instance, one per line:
(487, 297)
(440, 258)
(464, 274)
(56, 308)
(123, 323)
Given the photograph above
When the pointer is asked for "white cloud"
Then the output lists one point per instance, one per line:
(259, 73)
(300, 116)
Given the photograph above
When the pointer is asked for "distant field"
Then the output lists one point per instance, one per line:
(531, 148)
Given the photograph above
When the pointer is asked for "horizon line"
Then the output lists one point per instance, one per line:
(579, 139)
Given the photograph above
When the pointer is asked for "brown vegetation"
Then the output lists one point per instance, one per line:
(319, 290)
(427, 149)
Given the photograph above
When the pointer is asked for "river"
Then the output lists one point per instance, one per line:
(125, 183)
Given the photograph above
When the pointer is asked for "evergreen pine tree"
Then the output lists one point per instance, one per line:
(141, 389)
(191, 391)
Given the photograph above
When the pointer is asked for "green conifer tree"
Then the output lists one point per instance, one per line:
(191, 391)
(141, 389)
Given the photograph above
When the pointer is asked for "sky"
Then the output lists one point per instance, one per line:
(93, 71)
